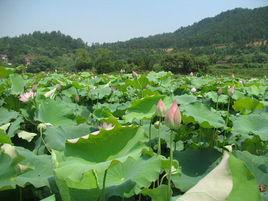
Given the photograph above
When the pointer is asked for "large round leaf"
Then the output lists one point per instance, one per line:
(56, 136)
(93, 156)
(22, 167)
(255, 123)
(203, 115)
(17, 83)
(246, 105)
(6, 116)
(142, 109)
(195, 164)
(258, 165)
(55, 112)
(128, 178)
(245, 186)
(215, 186)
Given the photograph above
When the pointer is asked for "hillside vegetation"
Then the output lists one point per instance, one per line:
(232, 41)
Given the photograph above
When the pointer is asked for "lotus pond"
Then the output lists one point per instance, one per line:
(85, 137)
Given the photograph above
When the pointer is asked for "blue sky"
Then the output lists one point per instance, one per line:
(109, 20)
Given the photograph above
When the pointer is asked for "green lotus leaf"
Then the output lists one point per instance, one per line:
(161, 193)
(39, 168)
(7, 115)
(195, 164)
(201, 114)
(5, 72)
(217, 98)
(255, 123)
(8, 172)
(17, 84)
(156, 76)
(15, 126)
(21, 167)
(185, 99)
(85, 188)
(198, 82)
(255, 90)
(50, 198)
(95, 154)
(4, 138)
(121, 140)
(258, 166)
(100, 92)
(139, 83)
(55, 112)
(245, 185)
(143, 108)
(128, 178)
(247, 105)
(215, 186)
(55, 136)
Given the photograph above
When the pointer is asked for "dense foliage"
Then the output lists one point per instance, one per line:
(236, 39)
(238, 26)
(87, 137)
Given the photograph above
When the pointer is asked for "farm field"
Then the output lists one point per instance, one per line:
(133, 137)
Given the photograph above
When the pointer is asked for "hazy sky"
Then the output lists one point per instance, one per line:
(109, 20)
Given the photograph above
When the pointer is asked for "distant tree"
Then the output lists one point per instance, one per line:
(83, 61)
(41, 63)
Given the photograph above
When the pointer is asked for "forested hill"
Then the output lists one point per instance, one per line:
(240, 26)
(51, 44)
(237, 38)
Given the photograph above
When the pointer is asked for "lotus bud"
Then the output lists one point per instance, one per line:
(43, 126)
(77, 98)
(220, 91)
(58, 86)
(193, 90)
(50, 93)
(173, 116)
(134, 74)
(34, 87)
(160, 108)
(157, 124)
(231, 90)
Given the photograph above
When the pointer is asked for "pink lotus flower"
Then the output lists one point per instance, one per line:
(173, 116)
(27, 96)
(160, 108)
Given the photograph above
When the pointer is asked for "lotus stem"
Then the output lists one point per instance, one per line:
(228, 110)
(162, 179)
(217, 105)
(170, 162)
(41, 136)
(150, 130)
(103, 185)
(159, 139)
(20, 191)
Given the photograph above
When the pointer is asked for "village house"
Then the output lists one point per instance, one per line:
(4, 58)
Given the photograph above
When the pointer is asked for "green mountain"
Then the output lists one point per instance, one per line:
(51, 44)
(233, 39)
(238, 26)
